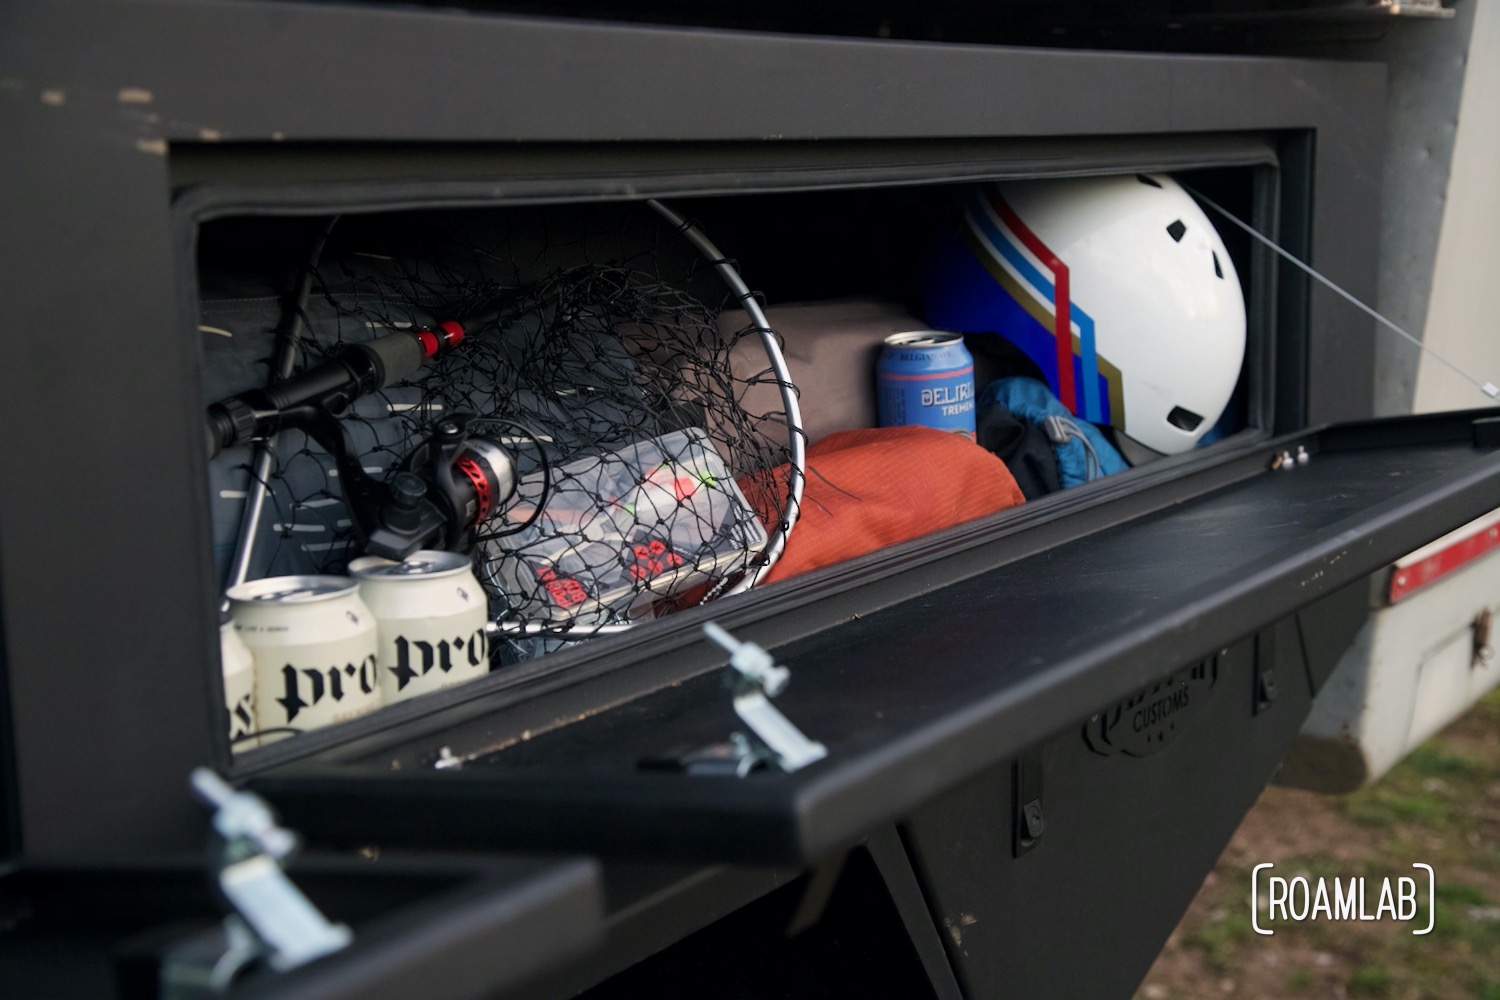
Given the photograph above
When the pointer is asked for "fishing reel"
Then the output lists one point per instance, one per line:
(466, 478)
(449, 483)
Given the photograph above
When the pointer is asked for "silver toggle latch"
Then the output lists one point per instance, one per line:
(273, 920)
(754, 681)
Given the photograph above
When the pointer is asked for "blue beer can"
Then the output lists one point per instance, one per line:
(926, 378)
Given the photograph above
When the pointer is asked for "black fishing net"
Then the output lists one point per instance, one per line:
(594, 355)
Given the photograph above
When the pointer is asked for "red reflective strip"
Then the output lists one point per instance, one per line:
(920, 378)
(1410, 577)
(1062, 312)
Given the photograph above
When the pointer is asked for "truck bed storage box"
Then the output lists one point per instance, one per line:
(1003, 661)
(992, 697)
(921, 667)
(1122, 566)
(640, 438)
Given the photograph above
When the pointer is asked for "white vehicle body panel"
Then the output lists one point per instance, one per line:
(1415, 666)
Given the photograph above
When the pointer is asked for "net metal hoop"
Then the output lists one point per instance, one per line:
(796, 449)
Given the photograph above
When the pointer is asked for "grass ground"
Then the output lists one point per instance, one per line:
(1440, 806)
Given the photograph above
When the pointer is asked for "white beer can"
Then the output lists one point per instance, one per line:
(431, 614)
(239, 687)
(313, 641)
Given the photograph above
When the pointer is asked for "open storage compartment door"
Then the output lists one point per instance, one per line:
(919, 667)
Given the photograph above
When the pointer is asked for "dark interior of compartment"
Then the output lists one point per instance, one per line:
(791, 248)
(865, 244)
(597, 325)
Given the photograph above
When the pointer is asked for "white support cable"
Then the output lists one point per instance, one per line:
(1488, 388)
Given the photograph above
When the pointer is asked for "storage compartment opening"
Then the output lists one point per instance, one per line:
(599, 346)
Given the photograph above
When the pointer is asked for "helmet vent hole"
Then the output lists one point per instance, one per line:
(1218, 268)
(1149, 182)
(1176, 230)
(1184, 420)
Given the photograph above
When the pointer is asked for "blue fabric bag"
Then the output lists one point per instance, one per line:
(1083, 453)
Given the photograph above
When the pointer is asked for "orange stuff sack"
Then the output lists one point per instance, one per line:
(867, 489)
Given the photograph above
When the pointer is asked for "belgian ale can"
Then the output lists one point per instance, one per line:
(239, 687)
(314, 643)
(430, 613)
(927, 378)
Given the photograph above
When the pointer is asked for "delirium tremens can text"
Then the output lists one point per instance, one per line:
(926, 378)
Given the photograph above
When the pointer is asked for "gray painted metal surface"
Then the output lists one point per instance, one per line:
(1426, 60)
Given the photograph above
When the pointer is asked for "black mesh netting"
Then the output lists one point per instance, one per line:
(594, 355)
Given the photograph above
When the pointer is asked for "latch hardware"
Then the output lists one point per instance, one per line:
(1286, 461)
(1483, 651)
(273, 920)
(754, 681)
(1030, 822)
(772, 740)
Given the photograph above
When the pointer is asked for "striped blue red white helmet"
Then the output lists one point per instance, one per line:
(1134, 274)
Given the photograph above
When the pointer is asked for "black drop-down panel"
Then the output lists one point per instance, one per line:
(918, 695)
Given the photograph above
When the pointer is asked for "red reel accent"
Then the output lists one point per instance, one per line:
(453, 332)
(484, 491)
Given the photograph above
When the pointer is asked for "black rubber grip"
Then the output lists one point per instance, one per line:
(396, 356)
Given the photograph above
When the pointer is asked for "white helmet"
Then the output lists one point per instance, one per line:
(1138, 273)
